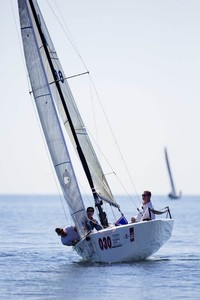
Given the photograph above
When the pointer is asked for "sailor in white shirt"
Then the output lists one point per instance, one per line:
(143, 213)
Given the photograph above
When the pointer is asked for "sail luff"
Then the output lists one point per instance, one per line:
(47, 112)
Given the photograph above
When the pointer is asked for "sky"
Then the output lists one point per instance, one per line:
(144, 59)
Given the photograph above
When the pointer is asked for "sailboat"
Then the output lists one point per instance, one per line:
(172, 194)
(58, 113)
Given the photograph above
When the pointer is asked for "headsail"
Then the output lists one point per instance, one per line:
(71, 116)
(40, 77)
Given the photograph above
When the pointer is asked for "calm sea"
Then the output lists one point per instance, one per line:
(34, 265)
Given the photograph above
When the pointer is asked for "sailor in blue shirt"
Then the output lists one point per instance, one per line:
(93, 222)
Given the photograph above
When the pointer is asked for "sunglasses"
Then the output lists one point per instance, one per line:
(90, 211)
(145, 195)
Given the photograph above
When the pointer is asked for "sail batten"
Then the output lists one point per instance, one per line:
(62, 163)
(27, 27)
(40, 96)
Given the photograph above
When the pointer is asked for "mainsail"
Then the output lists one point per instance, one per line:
(69, 112)
(40, 76)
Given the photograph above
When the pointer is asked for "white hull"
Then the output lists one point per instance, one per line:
(131, 242)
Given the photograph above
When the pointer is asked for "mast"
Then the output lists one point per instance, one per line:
(98, 203)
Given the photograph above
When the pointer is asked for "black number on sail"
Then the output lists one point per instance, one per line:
(59, 76)
(56, 75)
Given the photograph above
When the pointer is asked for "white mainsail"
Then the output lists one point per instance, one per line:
(36, 62)
(70, 114)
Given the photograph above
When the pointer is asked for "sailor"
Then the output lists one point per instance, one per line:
(69, 235)
(93, 222)
(143, 211)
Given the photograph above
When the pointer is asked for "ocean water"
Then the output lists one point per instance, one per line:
(34, 264)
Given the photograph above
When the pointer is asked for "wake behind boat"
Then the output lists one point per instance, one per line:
(58, 113)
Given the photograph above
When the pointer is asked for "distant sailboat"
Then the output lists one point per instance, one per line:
(172, 194)
(58, 114)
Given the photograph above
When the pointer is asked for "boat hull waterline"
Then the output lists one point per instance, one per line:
(126, 243)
